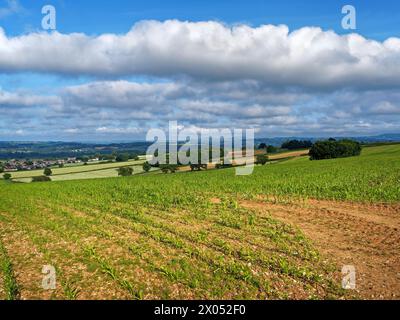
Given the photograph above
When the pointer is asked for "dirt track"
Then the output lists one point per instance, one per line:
(365, 236)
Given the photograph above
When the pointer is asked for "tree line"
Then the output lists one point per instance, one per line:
(324, 149)
(331, 149)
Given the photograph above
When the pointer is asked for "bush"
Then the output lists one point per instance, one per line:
(41, 179)
(84, 159)
(165, 168)
(108, 157)
(262, 159)
(7, 176)
(47, 172)
(134, 156)
(272, 149)
(297, 144)
(262, 146)
(146, 167)
(125, 171)
(122, 157)
(198, 167)
(331, 149)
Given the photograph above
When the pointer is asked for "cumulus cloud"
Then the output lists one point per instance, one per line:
(204, 75)
(307, 57)
(122, 94)
(132, 130)
(192, 102)
(26, 100)
(385, 107)
(126, 109)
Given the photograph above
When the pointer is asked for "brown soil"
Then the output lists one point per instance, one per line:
(365, 236)
(28, 275)
(2, 292)
(288, 154)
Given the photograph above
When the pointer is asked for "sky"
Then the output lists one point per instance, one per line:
(111, 70)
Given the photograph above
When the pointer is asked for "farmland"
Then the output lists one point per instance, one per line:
(77, 169)
(88, 174)
(207, 235)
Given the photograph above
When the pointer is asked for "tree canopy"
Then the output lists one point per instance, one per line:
(330, 149)
(7, 176)
(125, 171)
(297, 144)
(261, 159)
(41, 179)
(47, 172)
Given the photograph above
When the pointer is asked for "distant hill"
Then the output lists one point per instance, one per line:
(56, 150)
(52, 150)
(277, 141)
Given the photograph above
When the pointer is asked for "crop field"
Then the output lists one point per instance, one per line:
(281, 233)
(92, 174)
(76, 169)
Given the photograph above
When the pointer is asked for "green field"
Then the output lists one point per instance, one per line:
(164, 236)
(76, 169)
(84, 175)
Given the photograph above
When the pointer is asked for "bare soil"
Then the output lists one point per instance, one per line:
(362, 235)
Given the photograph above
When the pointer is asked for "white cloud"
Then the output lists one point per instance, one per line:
(129, 130)
(307, 57)
(71, 130)
(126, 109)
(121, 94)
(385, 107)
(206, 75)
(24, 100)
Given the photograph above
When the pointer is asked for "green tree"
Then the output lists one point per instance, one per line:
(262, 159)
(272, 149)
(84, 159)
(146, 167)
(41, 179)
(47, 172)
(134, 156)
(331, 149)
(125, 171)
(297, 144)
(122, 157)
(108, 157)
(7, 176)
(165, 168)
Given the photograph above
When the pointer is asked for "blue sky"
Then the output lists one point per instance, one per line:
(346, 90)
(376, 19)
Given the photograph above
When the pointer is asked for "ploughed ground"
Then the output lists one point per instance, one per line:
(366, 236)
